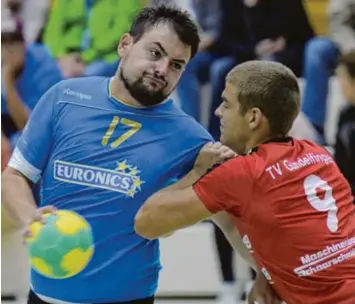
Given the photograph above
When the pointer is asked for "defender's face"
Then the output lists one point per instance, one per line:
(235, 131)
(154, 64)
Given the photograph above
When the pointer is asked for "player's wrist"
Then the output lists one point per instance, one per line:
(197, 172)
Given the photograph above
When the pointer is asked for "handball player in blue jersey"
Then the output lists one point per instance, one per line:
(101, 147)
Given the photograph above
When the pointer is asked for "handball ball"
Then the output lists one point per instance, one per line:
(62, 247)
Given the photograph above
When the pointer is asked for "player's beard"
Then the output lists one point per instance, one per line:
(141, 93)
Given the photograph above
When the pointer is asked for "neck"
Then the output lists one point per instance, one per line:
(259, 139)
(119, 92)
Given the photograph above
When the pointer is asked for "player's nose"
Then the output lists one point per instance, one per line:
(161, 67)
(218, 112)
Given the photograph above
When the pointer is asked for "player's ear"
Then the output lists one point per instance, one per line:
(125, 44)
(255, 118)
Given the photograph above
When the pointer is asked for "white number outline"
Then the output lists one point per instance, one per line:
(327, 204)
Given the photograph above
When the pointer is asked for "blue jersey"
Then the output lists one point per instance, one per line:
(103, 159)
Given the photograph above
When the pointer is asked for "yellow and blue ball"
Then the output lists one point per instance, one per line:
(62, 247)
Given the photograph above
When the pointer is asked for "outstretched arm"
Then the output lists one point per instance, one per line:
(179, 206)
(28, 160)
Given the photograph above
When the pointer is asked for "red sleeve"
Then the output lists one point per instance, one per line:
(226, 187)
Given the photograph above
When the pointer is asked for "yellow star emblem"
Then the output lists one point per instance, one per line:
(137, 183)
(131, 192)
(134, 171)
(121, 166)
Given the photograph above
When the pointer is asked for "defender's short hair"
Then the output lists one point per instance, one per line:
(271, 87)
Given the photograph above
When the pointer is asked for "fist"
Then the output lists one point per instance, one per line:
(212, 154)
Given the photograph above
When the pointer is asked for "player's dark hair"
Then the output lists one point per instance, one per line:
(181, 22)
(348, 61)
(271, 87)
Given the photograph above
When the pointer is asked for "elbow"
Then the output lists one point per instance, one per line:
(7, 183)
(6, 178)
(143, 226)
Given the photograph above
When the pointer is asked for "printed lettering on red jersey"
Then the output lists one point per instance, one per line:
(298, 218)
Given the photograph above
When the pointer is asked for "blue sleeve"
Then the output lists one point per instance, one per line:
(36, 141)
(202, 137)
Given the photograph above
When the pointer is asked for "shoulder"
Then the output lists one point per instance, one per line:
(187, 125)
(73, 90)
(82, 88)
(197, 131)
(84, 82)
(242, 164)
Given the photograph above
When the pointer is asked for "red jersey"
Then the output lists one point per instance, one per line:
(295, 212)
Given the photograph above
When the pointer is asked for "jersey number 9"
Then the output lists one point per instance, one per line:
(326, 204)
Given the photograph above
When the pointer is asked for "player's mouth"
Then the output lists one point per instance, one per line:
(155, 81)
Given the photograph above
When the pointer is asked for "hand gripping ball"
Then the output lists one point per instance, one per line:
(62, 247)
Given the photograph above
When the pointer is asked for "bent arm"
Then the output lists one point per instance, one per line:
(28, 160)
(17, 197)
(169, 210)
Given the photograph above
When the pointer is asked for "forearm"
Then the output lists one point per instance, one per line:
(171, 209)
(234, 238)
(17, 197)
(15, 105)
(187, 181)
(223, 221)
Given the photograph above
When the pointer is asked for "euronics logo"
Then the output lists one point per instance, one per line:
(123, 179)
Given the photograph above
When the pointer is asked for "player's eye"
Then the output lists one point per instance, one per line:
(177, 66)
(155, 54)
(225, 105)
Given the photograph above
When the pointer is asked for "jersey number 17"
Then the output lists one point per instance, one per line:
(134, 127)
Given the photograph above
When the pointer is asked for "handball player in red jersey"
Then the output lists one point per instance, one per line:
(284, 199)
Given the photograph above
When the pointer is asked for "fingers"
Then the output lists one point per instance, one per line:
(208, 145)
(222, 152)
(210, 155)
(38, 216)
(226, 153)
(212, 146)
(26, 234)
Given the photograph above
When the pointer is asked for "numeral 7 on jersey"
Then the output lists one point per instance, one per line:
(134, 128)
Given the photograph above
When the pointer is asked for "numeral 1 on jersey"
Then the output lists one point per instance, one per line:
(134, 128)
